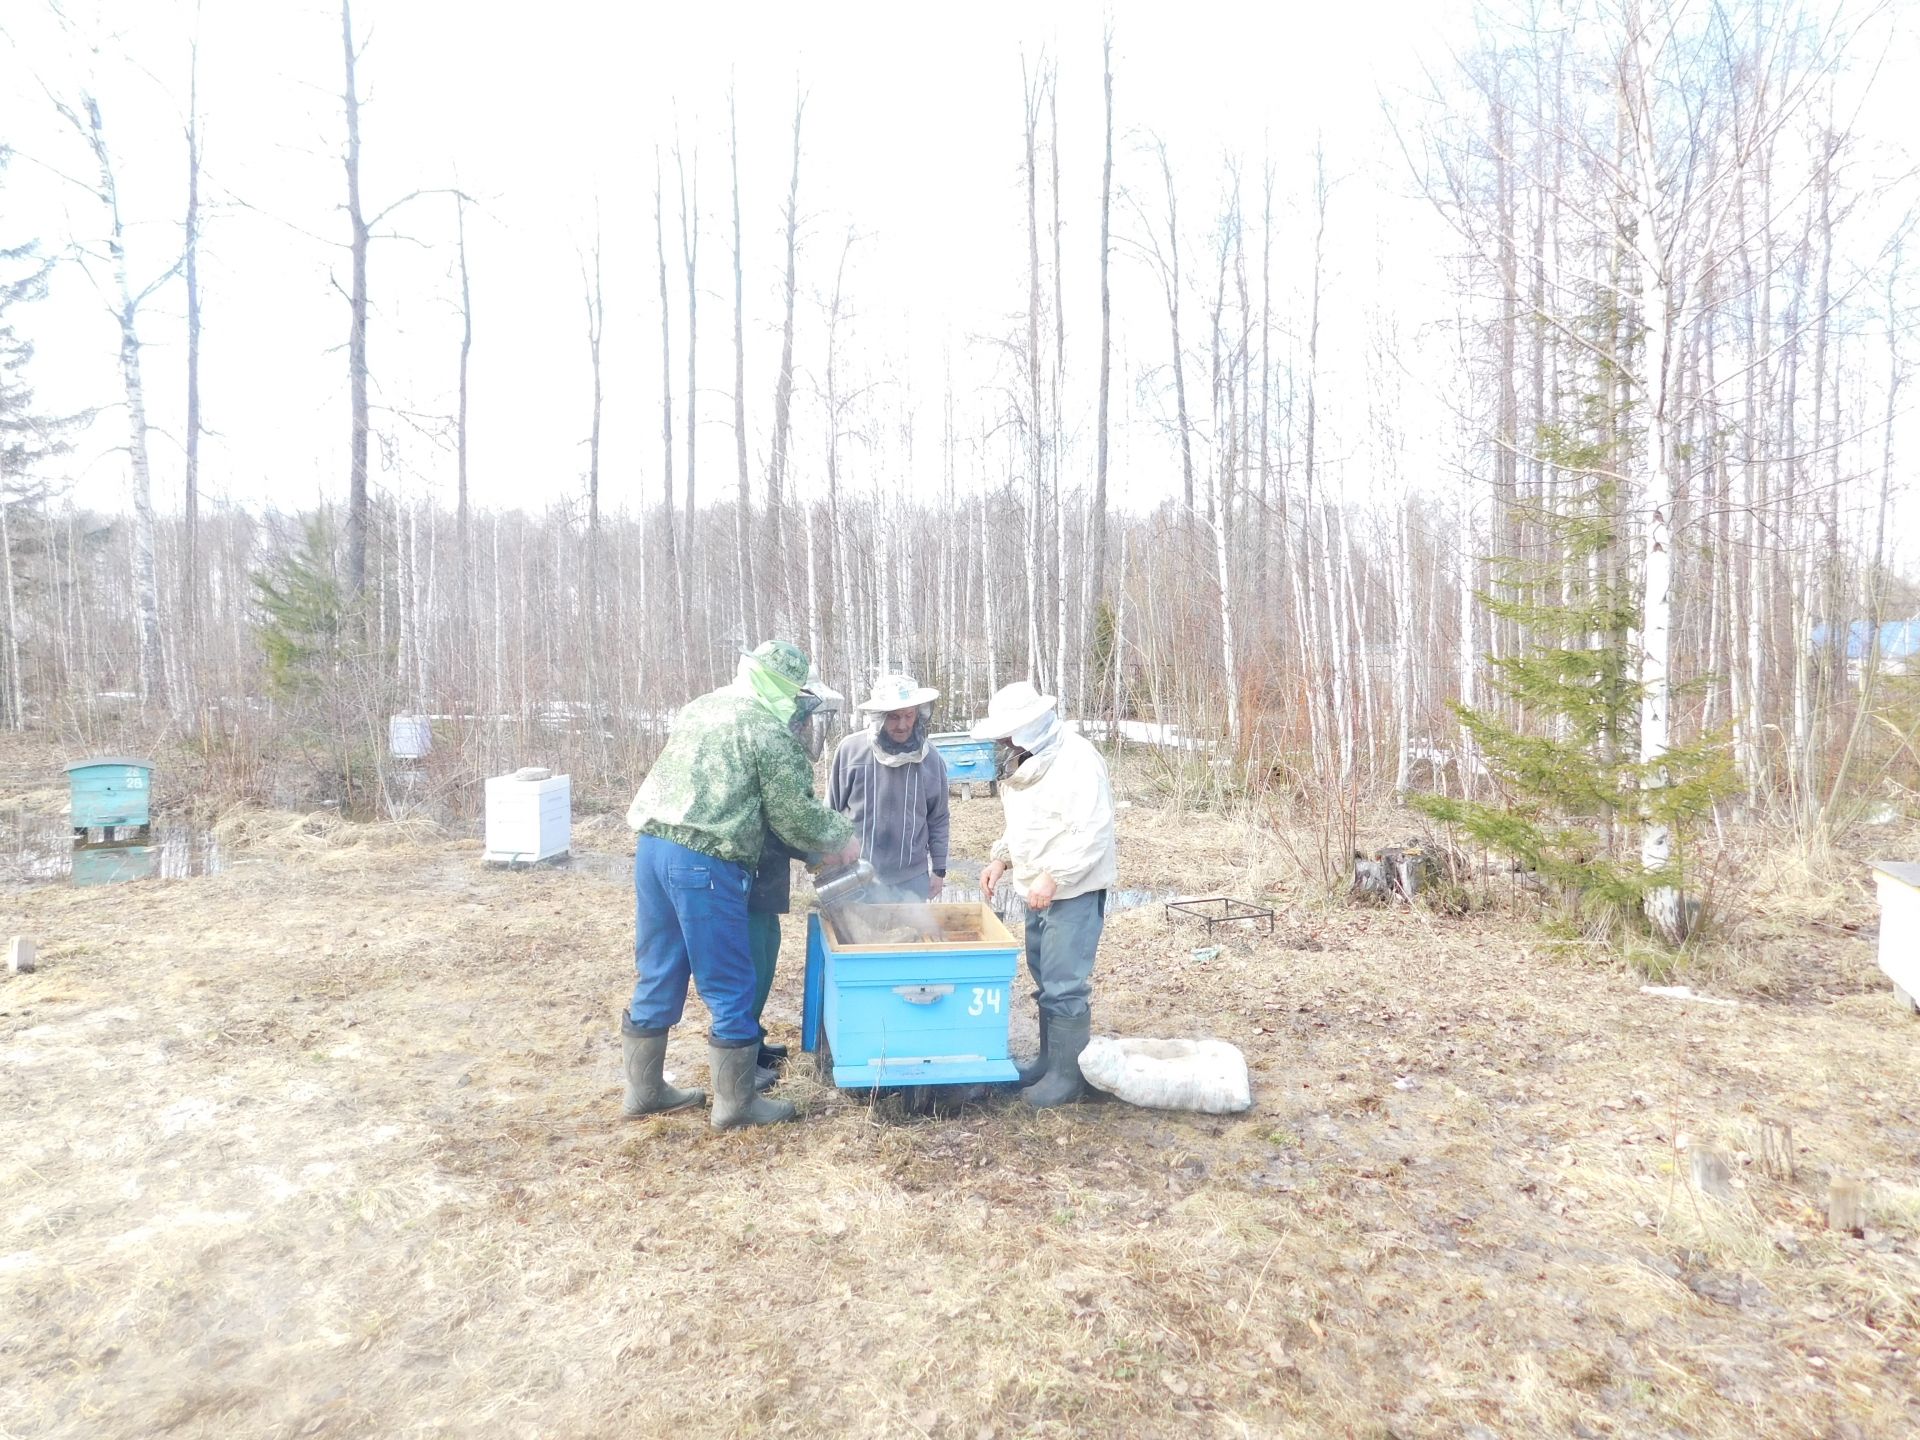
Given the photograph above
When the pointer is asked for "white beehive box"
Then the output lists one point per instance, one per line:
(409, 737)
(1899, 885)
(528, 819)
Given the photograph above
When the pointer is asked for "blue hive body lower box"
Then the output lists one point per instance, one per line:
(968, 760)
(931, 1013)
(109, 791)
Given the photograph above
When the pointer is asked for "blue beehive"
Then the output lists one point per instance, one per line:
(968, 760)
(933, 1013)
(109, 791)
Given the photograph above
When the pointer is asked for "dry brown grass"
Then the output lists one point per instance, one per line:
(328, 1144)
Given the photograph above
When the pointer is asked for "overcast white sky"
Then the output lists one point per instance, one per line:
(551, 115)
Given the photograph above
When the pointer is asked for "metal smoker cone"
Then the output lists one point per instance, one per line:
(840, 886)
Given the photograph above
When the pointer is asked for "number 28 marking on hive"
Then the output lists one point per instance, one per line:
(985, 1000)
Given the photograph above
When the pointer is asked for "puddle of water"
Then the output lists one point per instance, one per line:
(39, 850)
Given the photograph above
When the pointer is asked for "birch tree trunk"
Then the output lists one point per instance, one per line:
(356, 328)
(1036, 423)
(1062, 672)
(1656, 317)
(982, 550)
(676, 571)
(690, 251)
(1097, 509)
(813, 595)
(750, 619)
(189, 613)
(1402, 654)
(1170, 283)
(1120, 644)
(1469, 763)
(1342, 740)
(1223, 574)
(463, 542)
(146, 596)
(596, 326)
(783, 385)
(13, 694)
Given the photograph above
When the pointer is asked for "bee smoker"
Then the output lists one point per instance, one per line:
(838, 885)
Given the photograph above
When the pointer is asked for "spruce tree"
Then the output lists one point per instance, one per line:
(1567, 776)
(304, 609)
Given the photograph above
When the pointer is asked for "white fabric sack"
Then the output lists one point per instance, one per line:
(1205, 1075)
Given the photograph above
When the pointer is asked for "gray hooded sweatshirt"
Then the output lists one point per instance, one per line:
(898, 811)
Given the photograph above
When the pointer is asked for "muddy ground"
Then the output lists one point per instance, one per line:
(328, 1143)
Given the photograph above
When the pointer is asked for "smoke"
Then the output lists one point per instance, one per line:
(887, 915)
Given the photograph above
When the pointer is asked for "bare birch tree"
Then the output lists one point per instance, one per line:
(676, 571)
(743, 522)
(190, 244)
(690, 252)
(125, 303)
(783, 382)
(1097, 509)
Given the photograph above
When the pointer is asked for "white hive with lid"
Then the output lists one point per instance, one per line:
(529, 817)
(1899, 884)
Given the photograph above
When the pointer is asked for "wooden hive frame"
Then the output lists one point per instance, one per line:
(969, 925)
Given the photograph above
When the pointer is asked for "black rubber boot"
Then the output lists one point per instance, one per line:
(645, 1053)
(1033, 1069)
(735, 1102)
(771, 1054)
(1062, 1084)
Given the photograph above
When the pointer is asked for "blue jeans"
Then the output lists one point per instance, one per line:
(690, 920)
(1061, 941)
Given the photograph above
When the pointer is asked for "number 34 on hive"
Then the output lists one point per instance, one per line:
(985, 1000)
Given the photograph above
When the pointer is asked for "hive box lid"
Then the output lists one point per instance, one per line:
(109, 760)
(1907, 872)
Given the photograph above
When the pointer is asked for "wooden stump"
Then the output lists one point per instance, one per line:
(1846, 1204)
(1776, 1149)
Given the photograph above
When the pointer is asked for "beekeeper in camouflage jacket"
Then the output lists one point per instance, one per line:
(731, 771)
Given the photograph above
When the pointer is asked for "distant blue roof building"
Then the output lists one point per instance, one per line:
(1899, 641)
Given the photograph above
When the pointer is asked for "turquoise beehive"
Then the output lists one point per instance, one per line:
(969, 761)
(929, 1013)
(110, 792)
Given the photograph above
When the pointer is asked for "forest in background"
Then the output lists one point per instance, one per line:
(1677, 314)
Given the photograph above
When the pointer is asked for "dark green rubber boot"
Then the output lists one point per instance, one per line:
(645, 1054)
(1033, 1069)
(735, 1101)
(1062, 1084)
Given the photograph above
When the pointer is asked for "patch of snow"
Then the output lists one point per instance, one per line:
(1683, 992)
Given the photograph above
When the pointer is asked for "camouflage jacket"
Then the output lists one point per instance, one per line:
(730, 773)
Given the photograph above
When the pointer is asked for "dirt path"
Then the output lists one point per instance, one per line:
(328, 1144)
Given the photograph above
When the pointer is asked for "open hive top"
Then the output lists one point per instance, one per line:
(915, 927)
